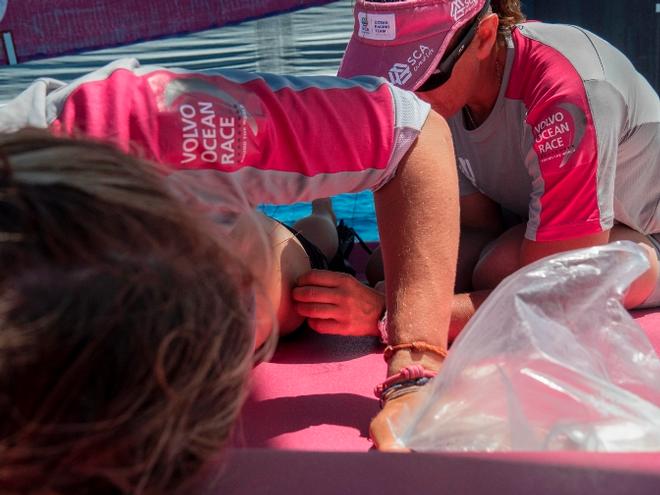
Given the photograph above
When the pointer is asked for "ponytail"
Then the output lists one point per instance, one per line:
(509, 13)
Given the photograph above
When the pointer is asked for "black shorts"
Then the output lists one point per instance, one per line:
(317, 259)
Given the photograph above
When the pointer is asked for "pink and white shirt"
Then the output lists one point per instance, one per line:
(573, 141)
(278, 139)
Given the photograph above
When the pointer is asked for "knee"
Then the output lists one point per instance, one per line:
(645, 284)
(500, 259)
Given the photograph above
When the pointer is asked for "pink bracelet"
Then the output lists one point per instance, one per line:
(412, 372)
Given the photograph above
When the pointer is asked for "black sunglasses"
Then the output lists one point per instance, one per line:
(443, 72)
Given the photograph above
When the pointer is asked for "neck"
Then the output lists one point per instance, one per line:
(478, 109)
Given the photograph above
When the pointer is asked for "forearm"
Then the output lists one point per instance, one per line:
(419, 224)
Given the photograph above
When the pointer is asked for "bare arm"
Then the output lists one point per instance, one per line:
(418, 219)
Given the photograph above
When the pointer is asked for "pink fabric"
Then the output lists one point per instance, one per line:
(42, 28)
(404, 41)
(315, 394)
(565, 140)
(197, 121)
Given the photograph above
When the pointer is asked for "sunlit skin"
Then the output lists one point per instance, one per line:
(474, 81)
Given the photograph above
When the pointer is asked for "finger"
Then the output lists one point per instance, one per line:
(323, 278)
(331, 327)
(316, 294)
(317, 310)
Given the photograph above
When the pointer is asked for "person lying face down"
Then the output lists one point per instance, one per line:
(138, 281)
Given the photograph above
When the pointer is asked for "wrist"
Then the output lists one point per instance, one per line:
(407, 380)
(406, 357)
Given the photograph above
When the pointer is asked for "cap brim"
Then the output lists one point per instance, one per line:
(406, 65)
(412, 39)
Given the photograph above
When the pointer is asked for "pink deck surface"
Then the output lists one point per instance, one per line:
(316, 395)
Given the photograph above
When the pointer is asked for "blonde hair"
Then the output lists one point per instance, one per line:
(126, 330)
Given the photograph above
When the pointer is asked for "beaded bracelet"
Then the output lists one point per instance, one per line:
(410, 373)
(401, 389)
(417, 346)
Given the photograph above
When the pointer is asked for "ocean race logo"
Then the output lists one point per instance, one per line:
(400, 73)
(559, 133)
(207, 136)
(213, 123)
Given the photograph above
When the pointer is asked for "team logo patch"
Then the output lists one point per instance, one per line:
(376, 26)
(459, 8)
(559, 133)
(399, 74)
(214, 123)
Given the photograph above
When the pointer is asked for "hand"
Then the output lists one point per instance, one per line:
(337, 303)
(380, 429)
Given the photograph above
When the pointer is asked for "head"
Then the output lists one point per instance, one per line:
(126, 328)
(445, 50)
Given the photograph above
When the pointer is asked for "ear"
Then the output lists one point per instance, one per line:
(486, 36)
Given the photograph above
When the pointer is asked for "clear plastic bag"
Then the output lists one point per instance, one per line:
(551, 361)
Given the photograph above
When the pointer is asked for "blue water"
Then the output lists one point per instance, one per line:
(309, 41)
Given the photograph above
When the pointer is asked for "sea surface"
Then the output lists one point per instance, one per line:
(308, 41)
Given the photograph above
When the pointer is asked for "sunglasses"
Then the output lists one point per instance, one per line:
(443, 72)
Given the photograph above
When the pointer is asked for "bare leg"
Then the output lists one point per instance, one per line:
(289, 261)
(471, 244)
(320, 227)
(499, 259)
(641, 288)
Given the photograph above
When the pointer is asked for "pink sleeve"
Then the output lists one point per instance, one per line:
(283, 138)
(562, 157)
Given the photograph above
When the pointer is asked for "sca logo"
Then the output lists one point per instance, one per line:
(400, 73)
(460, 7)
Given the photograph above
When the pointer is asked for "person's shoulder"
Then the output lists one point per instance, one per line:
(551, 61)
(577, 50)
